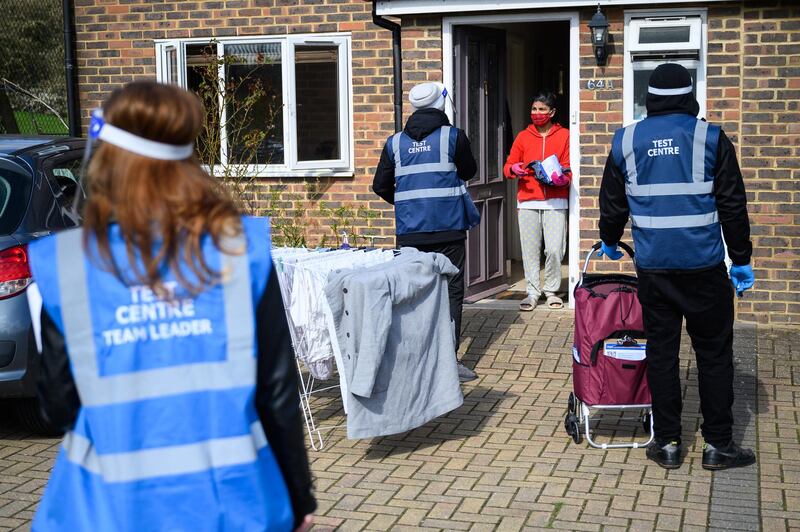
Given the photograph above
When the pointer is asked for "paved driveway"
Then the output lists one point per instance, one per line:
(25, 463)
(503, 462)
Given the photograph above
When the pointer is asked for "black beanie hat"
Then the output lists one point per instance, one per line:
(670, 91)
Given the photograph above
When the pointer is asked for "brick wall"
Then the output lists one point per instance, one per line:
(770, 156)
(600, 116)
(753, 92)
(115, 46)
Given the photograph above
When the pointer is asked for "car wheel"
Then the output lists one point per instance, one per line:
(30, 416)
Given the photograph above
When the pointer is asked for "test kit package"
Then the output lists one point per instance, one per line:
(549, 171)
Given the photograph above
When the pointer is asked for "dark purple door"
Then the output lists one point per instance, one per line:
(480, 111)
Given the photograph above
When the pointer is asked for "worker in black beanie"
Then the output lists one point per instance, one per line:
(677, 178)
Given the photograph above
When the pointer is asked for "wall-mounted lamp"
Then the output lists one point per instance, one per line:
(599, 27)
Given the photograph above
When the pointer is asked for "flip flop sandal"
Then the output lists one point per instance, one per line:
(527, 304)
(554, 302)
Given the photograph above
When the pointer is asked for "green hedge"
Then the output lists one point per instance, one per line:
(30, 123)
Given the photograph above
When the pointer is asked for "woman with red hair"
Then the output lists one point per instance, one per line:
(166, 352)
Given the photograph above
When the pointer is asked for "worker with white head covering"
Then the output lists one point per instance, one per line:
(428, 96)
(422, 172)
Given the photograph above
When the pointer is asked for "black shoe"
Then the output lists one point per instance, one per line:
(465, 374)
(726, 457)
(666, 454)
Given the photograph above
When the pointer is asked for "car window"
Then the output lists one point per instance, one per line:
(15, 190)
(65, 175)
(5, 194)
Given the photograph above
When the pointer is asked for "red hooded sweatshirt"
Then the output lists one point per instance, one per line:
(530, 145)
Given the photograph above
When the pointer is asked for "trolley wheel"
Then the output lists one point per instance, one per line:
(571, 403)
(572, 427)
(577, 437)
(568, 426)
(646, 422)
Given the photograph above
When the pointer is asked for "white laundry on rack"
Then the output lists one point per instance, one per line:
(306, 308)
(294, 258)
(307, 275)
(280, 252)
(285, 258)
(285, 262)
(280, 256)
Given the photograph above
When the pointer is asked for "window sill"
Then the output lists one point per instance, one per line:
(264, 171)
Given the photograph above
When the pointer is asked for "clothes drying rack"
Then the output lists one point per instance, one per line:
(308, 384)
(307, 389)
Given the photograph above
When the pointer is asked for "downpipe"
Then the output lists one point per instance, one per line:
(397, 65)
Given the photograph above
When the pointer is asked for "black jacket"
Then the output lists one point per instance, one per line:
(419, 125)
(276, 397)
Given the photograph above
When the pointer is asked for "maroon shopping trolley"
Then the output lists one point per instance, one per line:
(608, 353)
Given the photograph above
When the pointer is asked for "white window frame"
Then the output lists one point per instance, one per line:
(699, 41)
(165, 61)
(291, 167)
(670, 21)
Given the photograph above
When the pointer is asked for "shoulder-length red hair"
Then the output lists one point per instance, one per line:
(164, 208)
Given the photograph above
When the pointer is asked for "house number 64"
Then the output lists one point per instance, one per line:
(599, 84)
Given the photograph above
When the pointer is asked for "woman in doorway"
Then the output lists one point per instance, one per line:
(542, 202)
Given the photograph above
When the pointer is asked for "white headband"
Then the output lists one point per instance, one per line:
(669, 92)
(98, 129)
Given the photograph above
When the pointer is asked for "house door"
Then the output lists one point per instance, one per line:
(479, 59)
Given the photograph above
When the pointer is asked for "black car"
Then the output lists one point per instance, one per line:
(39, 177)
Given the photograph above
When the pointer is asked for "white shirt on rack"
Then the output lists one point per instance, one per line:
(314, 335)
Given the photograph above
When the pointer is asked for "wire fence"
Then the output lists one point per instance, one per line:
(33, 93)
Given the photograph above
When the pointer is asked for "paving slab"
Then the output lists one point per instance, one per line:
(503, 461)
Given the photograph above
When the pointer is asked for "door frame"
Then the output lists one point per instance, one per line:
(448, 73)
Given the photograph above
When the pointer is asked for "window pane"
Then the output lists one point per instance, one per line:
(317, 94)
(473, 101)
(65, 176)
(15, 191)
(664, 34)
(171, 62)
(493, 126)
(641, 78)
(254, 103)
(202, 78)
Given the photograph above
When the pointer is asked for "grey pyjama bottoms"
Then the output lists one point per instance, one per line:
(534, 224)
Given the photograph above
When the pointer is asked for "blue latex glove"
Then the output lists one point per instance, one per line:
(610, 251)
(742, 278)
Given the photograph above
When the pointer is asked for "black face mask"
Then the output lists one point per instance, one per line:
(679, 103)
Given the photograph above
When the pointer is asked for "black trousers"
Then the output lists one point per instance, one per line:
(705, 299)
(457, 253)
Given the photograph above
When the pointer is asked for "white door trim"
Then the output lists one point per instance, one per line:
(448, 72)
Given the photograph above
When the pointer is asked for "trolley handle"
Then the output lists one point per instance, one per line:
(625, 247)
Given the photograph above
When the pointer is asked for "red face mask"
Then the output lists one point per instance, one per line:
(540, 119)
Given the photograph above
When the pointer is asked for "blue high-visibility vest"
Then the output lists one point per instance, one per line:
(167, 436)
(429, 196)
(668, 163)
